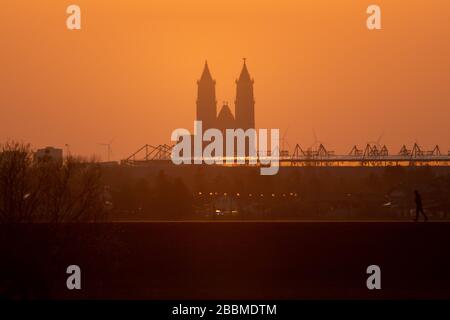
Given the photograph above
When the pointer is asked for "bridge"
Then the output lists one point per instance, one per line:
(372, 155)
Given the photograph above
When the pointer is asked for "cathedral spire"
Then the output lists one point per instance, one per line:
(245, 103)
(245, 75)
(206, 75)
(206, 99)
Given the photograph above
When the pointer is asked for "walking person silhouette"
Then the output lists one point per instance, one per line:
(419, 207)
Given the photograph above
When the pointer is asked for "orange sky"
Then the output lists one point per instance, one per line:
(131, 72)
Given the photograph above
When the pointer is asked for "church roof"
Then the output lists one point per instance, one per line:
(225, 118)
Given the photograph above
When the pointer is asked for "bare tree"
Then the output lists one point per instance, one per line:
(47, 191)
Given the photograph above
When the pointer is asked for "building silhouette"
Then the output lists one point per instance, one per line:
(206, 99)
(244, 117)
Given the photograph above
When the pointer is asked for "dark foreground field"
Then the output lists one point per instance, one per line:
(226, 260)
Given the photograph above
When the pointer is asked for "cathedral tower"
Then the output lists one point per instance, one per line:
(206, 99)
(245, 103)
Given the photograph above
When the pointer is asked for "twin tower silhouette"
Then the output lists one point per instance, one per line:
(244, 117)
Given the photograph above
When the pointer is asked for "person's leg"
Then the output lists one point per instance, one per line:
(423, 213)
(417, 214)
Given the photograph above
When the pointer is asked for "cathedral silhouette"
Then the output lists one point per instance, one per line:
(244, 117)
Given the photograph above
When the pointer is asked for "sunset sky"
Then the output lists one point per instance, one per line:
(130, 73)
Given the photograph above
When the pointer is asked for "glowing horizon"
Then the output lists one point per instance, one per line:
(130, 73)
